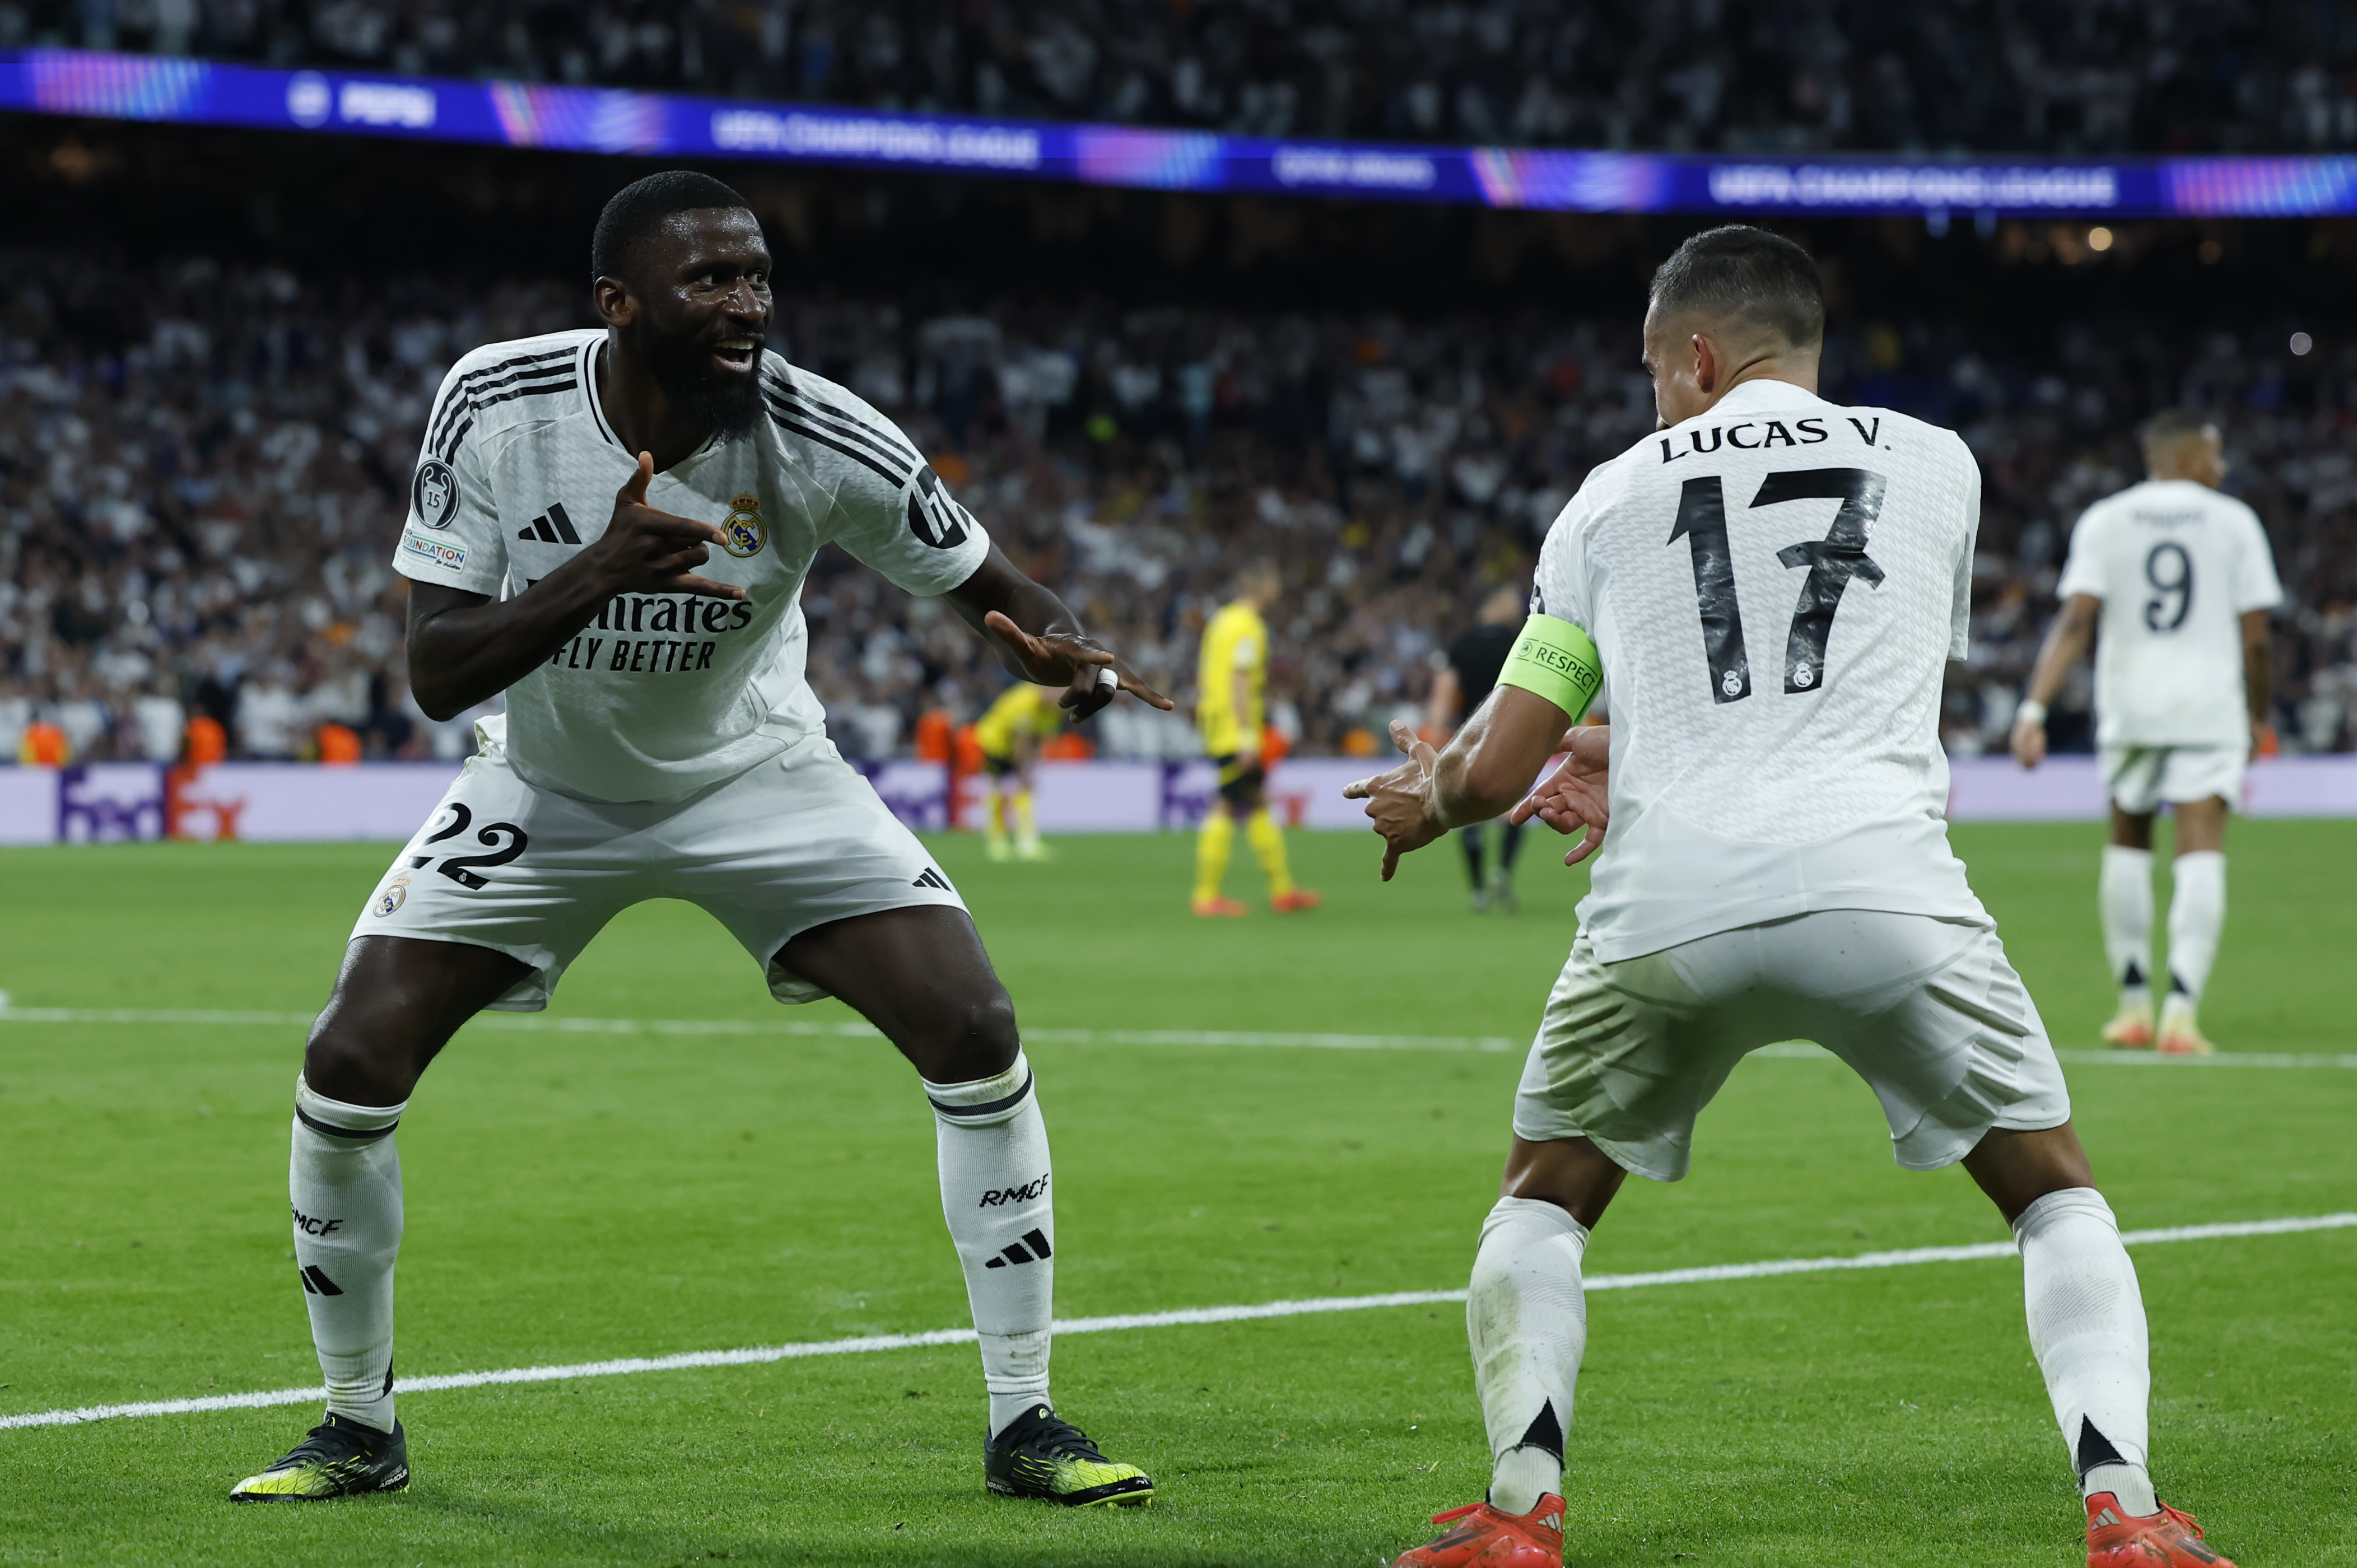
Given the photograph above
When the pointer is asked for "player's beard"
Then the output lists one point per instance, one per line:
(719, 402)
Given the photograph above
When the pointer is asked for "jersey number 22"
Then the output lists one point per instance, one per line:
(1831, 562)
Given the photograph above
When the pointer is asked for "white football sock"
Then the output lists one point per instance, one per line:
(993, 1147)
(2197, 916)
(1527, 1318)
(2124, 892)
(343, 1181)
(2087, 1330)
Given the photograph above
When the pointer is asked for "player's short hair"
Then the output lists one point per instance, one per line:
(1738, 273)
(632, 215)
(2169, 428)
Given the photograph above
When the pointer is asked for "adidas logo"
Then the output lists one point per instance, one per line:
(316, 1283)
(555, 528)
(932, 878)
(2107, 1518)
(1014, 1253)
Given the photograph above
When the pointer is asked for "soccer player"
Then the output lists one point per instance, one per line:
(1231, 671)
(2177, 580)
(1468, 673)
(612, 526)
(1777, 867)
(1010, 733)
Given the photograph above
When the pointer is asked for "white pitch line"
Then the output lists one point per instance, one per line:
(758, 1355)
(538, 1023)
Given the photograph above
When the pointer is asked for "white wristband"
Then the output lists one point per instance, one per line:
(2031, 711)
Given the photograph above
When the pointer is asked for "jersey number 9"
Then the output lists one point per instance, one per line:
(2169, 569)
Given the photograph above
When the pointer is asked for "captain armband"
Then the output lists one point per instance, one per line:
(1554, 659)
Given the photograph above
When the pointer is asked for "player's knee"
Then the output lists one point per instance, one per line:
(973, 1037)
(357, 1067)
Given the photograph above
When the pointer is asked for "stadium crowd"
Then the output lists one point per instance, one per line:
(1778, 75)
(202, 471)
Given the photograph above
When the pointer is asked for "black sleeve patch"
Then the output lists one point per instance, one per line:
(933, 517)
(433, 493)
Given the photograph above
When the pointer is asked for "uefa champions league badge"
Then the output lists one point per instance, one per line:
(395, 893)
(433, 493)
(745, 530)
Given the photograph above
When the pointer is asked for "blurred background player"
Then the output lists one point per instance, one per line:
(2176, 580)
(1010, 733)
(1232, 675)
(1468, 673)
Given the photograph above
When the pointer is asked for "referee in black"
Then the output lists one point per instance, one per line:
(1461, 682)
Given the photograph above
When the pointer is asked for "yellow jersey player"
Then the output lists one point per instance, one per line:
(1228, 710)
(1010, 733)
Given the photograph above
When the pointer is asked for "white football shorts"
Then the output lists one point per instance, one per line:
(797, 842)
(2140, 777)
(1927, 1011)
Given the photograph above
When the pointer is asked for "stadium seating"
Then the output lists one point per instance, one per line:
(200, 483)
(1783, 75)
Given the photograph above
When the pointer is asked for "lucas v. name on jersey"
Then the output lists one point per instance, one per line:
(1766, 433)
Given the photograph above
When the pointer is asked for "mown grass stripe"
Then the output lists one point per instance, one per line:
(537, 1023)
(757, 1355)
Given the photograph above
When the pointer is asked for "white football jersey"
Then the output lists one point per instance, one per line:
(1775, 588)
(2177, 565)
(665, 694)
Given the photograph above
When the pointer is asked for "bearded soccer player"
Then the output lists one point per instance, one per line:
(612, 527)
(1231, 678)
(1777, 867)
(2174, 581)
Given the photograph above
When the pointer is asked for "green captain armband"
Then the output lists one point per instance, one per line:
(1554, 659)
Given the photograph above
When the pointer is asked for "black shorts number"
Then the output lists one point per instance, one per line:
(457, 867)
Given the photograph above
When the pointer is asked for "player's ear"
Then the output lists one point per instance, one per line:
(1706, 364)
(615, 305)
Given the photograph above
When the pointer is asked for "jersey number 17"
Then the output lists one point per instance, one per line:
(1831, 562)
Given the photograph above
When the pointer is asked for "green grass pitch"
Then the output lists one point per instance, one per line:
(578, 1195)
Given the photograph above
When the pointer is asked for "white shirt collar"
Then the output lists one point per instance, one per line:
(1749, 397)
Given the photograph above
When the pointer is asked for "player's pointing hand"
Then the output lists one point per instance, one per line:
(649, 552)
(1090, 674)
(1399, 803)
(1576, 796)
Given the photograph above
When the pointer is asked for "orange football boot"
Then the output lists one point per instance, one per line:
(1216, 905)
(2165, 1539)
(2130, 1028)
(1298, 898)
(1487, 1538)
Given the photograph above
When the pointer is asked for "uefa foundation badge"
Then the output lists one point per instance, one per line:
(745, 530)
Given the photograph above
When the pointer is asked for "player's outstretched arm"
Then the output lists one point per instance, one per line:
(465, 649)
(2066, 643)
(1038, 639)
(1484, 771)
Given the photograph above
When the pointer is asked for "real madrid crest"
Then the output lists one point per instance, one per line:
(395, 893)
(745, 530)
